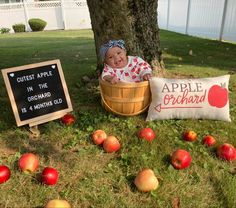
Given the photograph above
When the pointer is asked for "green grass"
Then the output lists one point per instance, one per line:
(89, 177)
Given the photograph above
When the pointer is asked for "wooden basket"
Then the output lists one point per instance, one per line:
(126, 99)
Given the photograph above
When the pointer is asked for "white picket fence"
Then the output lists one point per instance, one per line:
(62, 14)
(204, 18)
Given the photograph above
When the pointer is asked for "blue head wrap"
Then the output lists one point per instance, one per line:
(112, 43)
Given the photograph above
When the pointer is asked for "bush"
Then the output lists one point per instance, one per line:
(4, 30)
(18, 27)
(37, 24)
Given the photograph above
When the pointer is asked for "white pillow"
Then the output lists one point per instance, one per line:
(204, 98)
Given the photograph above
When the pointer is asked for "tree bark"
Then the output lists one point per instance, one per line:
(133, 21)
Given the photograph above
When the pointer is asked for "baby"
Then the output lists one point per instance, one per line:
(118, 67)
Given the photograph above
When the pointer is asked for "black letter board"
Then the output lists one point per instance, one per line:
(37, 92)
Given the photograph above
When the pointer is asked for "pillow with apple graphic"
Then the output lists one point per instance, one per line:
(203, 98)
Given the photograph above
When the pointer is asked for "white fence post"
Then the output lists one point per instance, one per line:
(63, 14)
(168, 14)
(26, 16)
(223, 20)
(187, 17)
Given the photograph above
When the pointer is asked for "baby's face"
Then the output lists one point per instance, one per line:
(116, 57)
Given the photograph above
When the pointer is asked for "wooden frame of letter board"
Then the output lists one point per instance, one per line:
(43, 118)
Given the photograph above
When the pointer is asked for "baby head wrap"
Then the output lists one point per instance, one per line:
(112, 43)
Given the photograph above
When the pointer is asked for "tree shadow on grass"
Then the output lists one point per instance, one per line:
(205, 53)
(130, 181)
(166, 160)
(20, 140)
(216, 183)
(7, 119)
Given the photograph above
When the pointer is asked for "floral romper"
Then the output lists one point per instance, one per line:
(132, 72)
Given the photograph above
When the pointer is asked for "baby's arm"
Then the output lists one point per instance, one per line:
(146, 70)
(109, 75)
(147, 76)
(111, 79)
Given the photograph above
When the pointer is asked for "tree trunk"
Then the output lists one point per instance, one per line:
(133, 21)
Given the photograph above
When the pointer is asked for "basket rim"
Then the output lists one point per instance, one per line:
(124, 84)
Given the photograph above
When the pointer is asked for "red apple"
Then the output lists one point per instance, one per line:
(28, 163)
(181, 159)
(49, 176)
(190, 135)
(111, 144)
(227, 152)
(146, 180)
(57, 203)
(208, 140)
(99, 136)
(146, 133)
(218, 96)
(68, 119)
(5, 173)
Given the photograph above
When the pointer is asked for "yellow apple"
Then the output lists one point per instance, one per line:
(146, 180)
(57, 203)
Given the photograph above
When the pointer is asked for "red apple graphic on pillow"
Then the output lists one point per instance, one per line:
(218, 96)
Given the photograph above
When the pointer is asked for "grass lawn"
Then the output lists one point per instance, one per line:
(89, 177)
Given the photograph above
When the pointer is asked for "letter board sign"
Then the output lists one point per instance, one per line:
(37, 92)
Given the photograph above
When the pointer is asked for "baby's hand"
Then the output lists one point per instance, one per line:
(114, 80)
(146, 77)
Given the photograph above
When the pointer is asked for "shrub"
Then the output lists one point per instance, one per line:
(18, 27)
(37, 24)
(4, 30)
